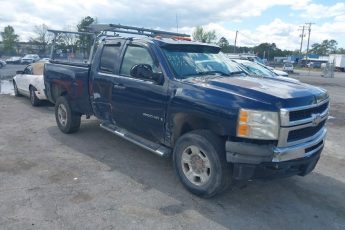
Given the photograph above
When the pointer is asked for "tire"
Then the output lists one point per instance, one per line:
(200, 163)
(33, 98)
(15, 88)
(67, 120)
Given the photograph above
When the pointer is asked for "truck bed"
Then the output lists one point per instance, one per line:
(62, 78)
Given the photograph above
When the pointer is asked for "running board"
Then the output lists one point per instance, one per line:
(142, 142)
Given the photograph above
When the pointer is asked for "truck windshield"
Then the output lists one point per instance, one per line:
(186, 64)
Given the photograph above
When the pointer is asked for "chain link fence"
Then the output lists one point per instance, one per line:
(328, 70)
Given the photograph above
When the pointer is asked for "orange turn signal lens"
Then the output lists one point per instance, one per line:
(243, 130)
(243, 116)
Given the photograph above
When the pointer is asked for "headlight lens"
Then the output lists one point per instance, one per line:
(258, 124)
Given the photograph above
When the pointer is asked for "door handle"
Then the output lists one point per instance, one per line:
(119, 86)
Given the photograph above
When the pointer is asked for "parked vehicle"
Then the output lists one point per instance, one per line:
(186, 100)
(30, 83)
(14, 60)
(255, 69)
(288, 67)
(276, 71)
(29, 58)
(2, 63)
(338, 60)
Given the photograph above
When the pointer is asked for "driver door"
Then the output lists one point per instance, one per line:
(139, 105)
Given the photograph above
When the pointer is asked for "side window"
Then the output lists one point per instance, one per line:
(108, 58)
(28, 70)
(136, 55)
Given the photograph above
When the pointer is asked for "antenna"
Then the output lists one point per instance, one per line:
(176, 23)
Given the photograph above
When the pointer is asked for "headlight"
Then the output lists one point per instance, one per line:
(258, 124)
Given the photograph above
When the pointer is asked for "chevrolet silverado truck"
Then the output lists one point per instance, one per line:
(186, 100)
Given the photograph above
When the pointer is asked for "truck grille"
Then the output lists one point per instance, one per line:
(307, 113)
(303, 133)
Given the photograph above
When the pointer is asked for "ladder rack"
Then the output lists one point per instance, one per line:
(117, 28)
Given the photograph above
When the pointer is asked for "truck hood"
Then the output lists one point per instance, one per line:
(268, 90)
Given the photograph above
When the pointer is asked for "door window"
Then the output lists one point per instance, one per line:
(109, 57)
(136, 55)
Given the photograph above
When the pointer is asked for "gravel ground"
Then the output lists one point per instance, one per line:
(94, 180)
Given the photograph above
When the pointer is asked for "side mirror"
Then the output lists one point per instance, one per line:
(144, 71)
(19, 72)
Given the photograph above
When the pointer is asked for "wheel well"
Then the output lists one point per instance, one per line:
(57, 91)
(184, 123)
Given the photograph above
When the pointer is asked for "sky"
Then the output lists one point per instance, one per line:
(258, 21)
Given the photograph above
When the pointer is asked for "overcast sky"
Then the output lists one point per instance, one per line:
(257, 20)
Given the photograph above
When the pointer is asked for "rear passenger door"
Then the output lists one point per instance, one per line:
(139, 105)
(104, 77)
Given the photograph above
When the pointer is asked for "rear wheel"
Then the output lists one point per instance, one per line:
(33, 98)
(199, 160)
(67, 120)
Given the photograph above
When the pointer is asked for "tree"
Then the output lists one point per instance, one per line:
(42, 39)
(85, 41)
(201, 35)
(340, 51)
(324, 48)
(9, 39)
(224, 45)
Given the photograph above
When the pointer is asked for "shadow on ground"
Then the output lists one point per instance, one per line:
(311, 202)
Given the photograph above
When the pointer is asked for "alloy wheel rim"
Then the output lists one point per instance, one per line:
(62, 114)
(196, 166)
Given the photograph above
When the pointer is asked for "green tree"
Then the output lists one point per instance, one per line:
(340, 51)
(85, 41)
(201, 35)
(9, 39)
(324, 48)
(224, 45)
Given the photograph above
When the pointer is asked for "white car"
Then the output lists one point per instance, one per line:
(288, 67)
(30, 58)
(278, 72)
(2, 63)
(14, 60)
(30, 83)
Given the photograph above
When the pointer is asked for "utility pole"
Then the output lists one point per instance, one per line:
(235, 41)
(309, 30)
(302, 36)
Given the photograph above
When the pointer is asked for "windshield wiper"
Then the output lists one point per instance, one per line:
(214, 72)
(237, 72)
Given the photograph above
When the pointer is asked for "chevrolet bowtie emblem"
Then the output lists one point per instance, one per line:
(316, 119)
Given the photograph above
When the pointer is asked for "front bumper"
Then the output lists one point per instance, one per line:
(248, 158)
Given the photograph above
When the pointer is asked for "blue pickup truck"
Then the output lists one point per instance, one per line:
(186, 100)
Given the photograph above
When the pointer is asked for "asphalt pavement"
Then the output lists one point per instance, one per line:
(95, 180)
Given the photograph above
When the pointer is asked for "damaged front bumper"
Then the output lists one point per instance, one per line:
(265, 161)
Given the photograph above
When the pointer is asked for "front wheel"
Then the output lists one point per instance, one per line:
(67, 120)
(199, 160)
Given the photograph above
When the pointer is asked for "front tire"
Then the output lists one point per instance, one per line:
(33, 98)
(200, 163)
(67, 120)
